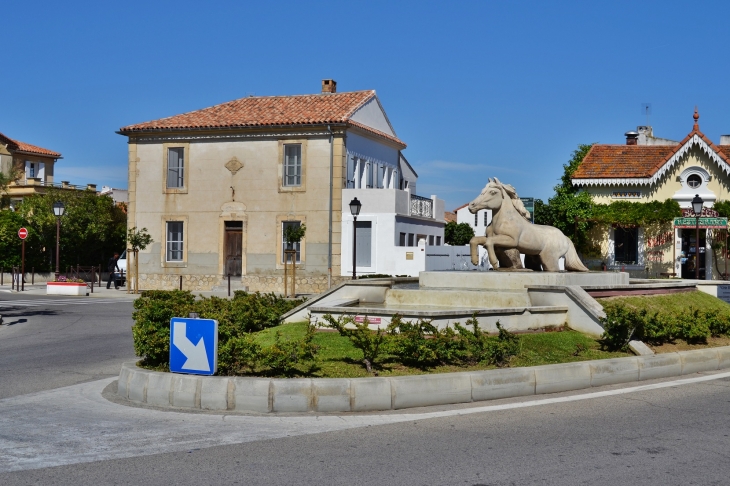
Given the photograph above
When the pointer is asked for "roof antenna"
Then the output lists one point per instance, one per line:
(646, 110)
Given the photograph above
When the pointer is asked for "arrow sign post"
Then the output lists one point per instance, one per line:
(193, 346)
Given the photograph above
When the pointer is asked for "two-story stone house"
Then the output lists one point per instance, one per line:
(217, 187)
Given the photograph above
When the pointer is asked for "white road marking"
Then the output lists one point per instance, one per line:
(76, 424)
(56, 302)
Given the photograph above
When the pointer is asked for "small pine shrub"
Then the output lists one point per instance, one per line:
(362, 337)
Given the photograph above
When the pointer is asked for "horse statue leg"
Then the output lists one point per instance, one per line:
(474, 244)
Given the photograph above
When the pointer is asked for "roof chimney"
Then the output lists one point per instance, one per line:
(632, 138)
(329, 86)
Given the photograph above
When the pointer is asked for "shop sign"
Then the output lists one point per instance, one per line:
(705, 223)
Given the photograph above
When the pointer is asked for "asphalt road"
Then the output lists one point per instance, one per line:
(672, 432)
(48, 342)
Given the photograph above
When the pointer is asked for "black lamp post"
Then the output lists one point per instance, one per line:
(355, 206)
(697, 204)
(58, 210)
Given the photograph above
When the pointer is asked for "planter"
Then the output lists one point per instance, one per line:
(66, 288)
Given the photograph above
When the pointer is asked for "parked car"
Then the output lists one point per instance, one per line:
(121, 277)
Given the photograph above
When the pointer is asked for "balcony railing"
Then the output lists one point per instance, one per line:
(421, 206)
(37, 181)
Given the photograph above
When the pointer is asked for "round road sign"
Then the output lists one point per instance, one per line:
(23, 233)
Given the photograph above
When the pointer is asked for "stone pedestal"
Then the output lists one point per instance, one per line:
(518, 280)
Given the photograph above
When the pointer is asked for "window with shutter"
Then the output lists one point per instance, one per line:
(293, 165)
(175, 167)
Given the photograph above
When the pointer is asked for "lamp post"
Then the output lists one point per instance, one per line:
(697, 204)
(58, 210)
(355, 206)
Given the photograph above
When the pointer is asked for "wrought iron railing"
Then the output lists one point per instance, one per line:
(421, 206)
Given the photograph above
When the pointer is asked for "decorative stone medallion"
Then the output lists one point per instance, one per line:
(234, 165)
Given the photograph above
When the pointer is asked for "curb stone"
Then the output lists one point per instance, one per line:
(271, 395)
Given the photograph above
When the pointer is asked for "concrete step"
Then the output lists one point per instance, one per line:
(457, 298)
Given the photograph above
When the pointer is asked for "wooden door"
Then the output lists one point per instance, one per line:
(233, 248)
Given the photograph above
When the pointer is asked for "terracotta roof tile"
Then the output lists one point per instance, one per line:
(264, 111)
(616, 161)
(29, 148)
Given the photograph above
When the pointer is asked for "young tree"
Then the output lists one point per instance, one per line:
(569, 209)
(458, 234)
(136, 240)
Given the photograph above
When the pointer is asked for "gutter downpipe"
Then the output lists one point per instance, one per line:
(329, 245)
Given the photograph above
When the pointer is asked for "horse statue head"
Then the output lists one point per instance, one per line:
(494, 194)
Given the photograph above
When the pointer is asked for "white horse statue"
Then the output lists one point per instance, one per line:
(511, 230)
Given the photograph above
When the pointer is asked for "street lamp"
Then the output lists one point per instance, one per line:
(58, 210)
(355, 206)
(697, 204)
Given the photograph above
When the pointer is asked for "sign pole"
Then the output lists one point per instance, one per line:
(22, 267)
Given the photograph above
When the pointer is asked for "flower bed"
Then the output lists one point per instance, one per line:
(66, 288)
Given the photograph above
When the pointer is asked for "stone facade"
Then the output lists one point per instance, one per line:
(306, 284)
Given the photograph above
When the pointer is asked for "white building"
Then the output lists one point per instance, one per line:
(478, 221)
(395, 225)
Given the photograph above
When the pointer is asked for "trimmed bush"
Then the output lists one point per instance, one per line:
(623, 323)
(243, 314)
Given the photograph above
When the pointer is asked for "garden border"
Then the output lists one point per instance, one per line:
(271, 395)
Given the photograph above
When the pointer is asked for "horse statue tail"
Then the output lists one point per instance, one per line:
(572, 262)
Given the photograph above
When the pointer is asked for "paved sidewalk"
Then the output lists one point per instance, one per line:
(100, 292)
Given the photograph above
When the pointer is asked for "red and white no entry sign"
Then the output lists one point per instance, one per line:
(23, 233)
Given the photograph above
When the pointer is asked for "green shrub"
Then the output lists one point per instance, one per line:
(285, 356)
(151, 329)
(362, 337)
(245, 313)
(623, 324)
(410, 344)
(422, 345)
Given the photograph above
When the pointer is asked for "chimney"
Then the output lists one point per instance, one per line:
(632, 138)
(329, 86)
(724, 139)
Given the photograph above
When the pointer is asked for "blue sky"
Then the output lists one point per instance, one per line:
(476, 89)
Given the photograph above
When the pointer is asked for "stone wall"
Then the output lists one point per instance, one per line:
(305, 284)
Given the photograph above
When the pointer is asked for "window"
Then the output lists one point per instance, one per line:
(625, 245)
(293, 165)
(296, 246)
(350, 181)
(485, 217)
(175, 167)
(381, 176)
(31, 169)
(438, 241)
(402, 240)
(694, 181)
(476, 219)
(174, 241)
(430, 240)
(369, 169)
(410, 239)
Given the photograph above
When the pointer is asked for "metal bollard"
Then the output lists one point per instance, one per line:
(229, 285)
(32, 275)
(180, 282)
(2, 275)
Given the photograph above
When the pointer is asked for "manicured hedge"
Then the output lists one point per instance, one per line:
(245, 313)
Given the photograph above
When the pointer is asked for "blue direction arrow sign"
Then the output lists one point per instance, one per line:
(193, 346)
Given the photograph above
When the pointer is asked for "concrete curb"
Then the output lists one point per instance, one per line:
(268, 395)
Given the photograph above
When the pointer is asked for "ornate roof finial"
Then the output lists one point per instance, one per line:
(696, 116)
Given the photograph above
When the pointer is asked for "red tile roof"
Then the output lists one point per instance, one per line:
(266, 111)
(19, 146)
(612, 161)
(636, 161)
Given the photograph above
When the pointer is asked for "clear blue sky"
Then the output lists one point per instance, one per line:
(476, 89)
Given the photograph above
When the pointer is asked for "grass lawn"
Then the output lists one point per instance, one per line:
(338, 358)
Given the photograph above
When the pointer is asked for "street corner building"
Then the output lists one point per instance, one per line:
(216, 189)
(648, 168)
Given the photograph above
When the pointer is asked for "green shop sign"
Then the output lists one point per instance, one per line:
(705, 223)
